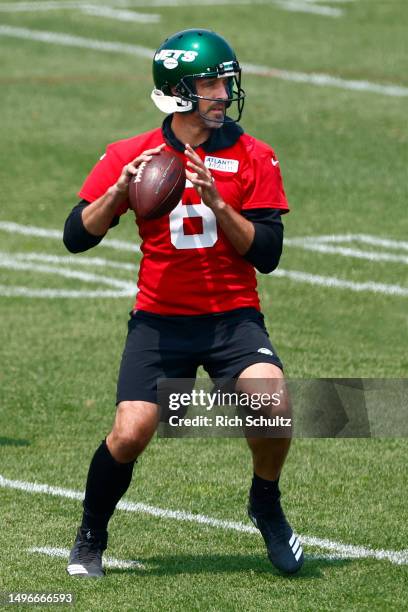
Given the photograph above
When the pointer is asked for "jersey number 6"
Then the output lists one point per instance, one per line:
(207, 237)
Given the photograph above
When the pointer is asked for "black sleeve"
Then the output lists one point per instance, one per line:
(266, 248)
(76, 238)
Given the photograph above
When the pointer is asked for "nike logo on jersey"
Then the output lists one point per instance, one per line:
(222, 164)
(265, 351)
(275, 162)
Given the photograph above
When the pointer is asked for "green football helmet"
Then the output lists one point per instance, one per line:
(189, 55)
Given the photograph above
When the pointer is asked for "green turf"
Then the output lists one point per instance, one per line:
(344, 158)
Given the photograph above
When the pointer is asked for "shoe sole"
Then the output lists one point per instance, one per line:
(80, 571)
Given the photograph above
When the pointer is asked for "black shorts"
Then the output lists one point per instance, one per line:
(175, 346)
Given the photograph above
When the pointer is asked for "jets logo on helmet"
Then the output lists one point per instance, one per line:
(187, 56)
(171, 57)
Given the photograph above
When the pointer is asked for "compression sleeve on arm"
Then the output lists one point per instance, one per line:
(266, 248)
(76, 237)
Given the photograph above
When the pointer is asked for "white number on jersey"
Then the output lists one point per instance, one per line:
(195, 241)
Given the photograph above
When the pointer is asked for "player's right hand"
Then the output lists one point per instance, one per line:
(128, 171)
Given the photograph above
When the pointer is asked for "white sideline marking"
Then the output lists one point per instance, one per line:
(71, 259)
(401, 245)
(299, 6)
(316, 246)
(294, 275)
(64, 553)
(41, 232)
(333, 282)
(105, 11)
(17, 291)
(27, 292)
(333, 558)
(22, 263)
(7, 261)
(80, 42)
(30, 230)
(398, 557)
(33, 7)
(324, 80)
(292, 4)
(20, 7)
(330, 1)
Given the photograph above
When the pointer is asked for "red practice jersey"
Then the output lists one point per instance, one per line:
(189, 267)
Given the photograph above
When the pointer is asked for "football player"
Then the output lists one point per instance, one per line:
(197, 303)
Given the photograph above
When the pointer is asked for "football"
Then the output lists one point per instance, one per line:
(158, 186)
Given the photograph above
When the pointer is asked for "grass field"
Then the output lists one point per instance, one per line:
(338, 307)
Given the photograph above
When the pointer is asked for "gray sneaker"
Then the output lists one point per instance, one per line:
(85, 559)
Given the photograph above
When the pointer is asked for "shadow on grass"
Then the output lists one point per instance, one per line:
(14, 441)
(218, 564)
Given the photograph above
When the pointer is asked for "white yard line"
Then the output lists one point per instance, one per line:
(23, 7)
(299, 6)
(325, 80)
(14, 7)
(20, 262)
(401, 245)
(397, 557)
(318, 247)
(332, 282)
(30, 230)
(16, 261)
(8, 262)
(126, 290)
(12, 291)
(41, 232)
(322, 80)
(68, 40)
(70, 259)
(120, 15)
(51, 551)
(32, 7)
(329, 1)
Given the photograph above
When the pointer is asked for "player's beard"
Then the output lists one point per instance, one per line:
(213, 120)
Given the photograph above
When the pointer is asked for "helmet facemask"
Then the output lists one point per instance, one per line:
(187, 92)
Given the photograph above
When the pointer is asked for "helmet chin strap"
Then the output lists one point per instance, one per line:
(174, 104)
(170, 104)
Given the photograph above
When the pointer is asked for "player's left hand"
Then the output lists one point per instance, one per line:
(202, 180)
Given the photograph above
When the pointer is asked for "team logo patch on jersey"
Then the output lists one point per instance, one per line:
(219, 163)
